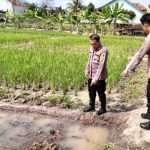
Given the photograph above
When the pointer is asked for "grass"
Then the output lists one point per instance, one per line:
(109, 147)
(56, 59)
(65, 100)
(133, 88)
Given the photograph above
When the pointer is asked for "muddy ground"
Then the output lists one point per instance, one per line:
(25, 130)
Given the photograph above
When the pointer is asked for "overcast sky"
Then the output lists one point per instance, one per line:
(97, 3)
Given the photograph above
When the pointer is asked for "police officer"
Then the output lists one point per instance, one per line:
(96, 72)
(145, 49)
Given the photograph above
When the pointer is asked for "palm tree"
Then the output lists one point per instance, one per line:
(75, 6)
(114, 14)
(74, 15)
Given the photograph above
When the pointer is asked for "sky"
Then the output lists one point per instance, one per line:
(97, 3)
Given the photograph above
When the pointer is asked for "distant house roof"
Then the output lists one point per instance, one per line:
(17, 3)
(136, 5)
(139, 6)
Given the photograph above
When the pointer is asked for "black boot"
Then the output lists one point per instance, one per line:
(101, 88)
(145, 125)
(92, 96)
(145, 115)
(88, 109)
(102, 110)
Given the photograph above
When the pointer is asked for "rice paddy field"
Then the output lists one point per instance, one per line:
(56, 60)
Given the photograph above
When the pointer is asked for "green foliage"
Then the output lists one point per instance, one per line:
(56, 59)
(90, 8)
(130, 13)
(78, 17)
(114, 14)
(53, 99)
(75, 6)
(66, 100)
(109, 147)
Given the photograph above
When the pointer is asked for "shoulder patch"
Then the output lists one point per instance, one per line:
(102, 56)
(98, 53)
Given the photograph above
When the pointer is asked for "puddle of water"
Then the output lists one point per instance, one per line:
(87, 138)
(15, 130)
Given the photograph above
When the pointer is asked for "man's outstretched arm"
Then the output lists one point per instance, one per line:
(145, 48)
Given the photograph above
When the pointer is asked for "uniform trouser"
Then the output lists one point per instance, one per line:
(100, 88)
(148, 96)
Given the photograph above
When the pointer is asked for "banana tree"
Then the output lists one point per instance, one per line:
(84, 18)
(71, 19)
(74, 15)
(46, 17)
(114, 14)
(78, 19)
(60, 18)
(30, 14)
(18, 18)
(94, 19)
(49, 18)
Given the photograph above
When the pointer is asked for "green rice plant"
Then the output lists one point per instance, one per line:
(38, 58)
(109, 147)
(66, 100)
(53, 99)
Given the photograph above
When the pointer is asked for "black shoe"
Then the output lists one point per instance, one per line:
(90, 108)
(145, 115)
(101, 111)
(145, 125)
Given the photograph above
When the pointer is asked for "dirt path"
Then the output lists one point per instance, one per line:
(76, 116)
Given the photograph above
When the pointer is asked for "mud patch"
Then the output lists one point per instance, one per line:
(91, 138)
(35, 132)
(19, 131)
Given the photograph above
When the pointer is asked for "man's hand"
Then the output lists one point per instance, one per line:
(93, 83)
(125, 73)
